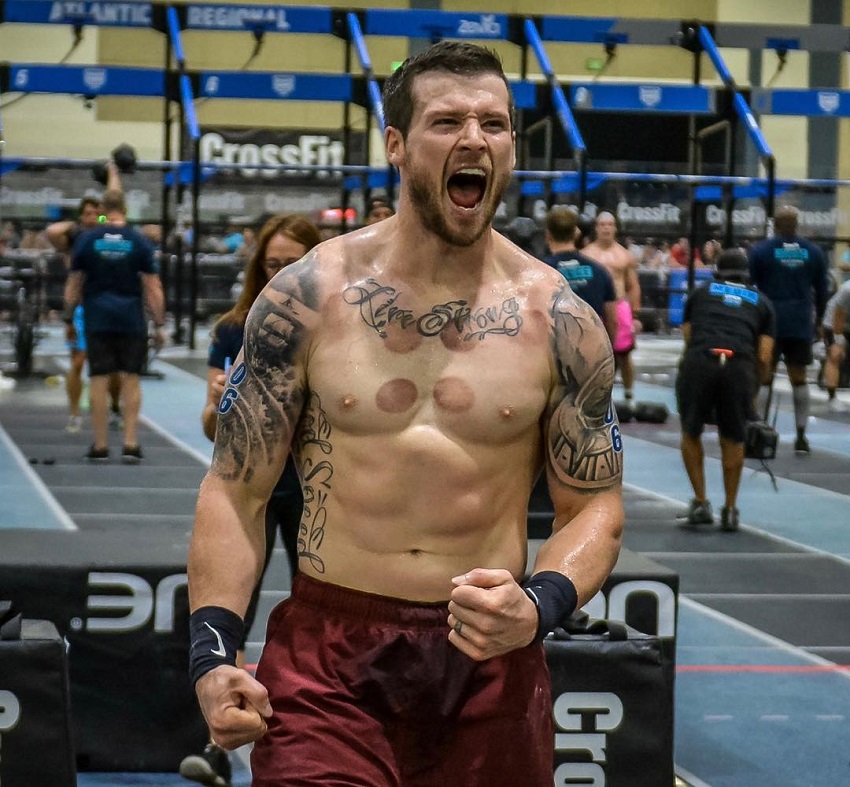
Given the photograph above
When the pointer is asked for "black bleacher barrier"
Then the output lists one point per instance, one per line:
(123, 607)
(35, 728)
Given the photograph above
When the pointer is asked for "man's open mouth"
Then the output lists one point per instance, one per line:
(467, 186)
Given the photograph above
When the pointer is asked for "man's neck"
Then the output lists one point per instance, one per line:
(116, 219)
(558, 248)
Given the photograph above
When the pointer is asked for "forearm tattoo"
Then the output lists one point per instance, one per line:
(583, 442)
(317, 474)
(264, 397)
(379, 310)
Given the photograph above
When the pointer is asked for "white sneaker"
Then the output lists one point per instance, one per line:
(75, 423)
(836, 406)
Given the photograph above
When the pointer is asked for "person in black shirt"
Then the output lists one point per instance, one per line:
(792, 272)
(588, 279)
(728, 330)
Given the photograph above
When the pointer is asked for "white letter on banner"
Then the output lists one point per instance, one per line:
(607, 709)
(139, 604)
(664, 596)
(10, 711)
(587, 774)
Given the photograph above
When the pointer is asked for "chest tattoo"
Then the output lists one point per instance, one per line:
(314, 430)
(379, 310)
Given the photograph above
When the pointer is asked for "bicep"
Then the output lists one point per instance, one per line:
(265, 392)
(582, 435)
(151, 282)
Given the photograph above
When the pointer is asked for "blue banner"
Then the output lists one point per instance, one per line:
(64, 12)
(435, 24)
(643, 98)
(829, 103)
(86, 80)
(752, 191)
(271, 18)
(267, 85)
(569, 183)
(379, 179)
(579, 29)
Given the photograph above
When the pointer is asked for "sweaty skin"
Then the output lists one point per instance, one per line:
(423, 371)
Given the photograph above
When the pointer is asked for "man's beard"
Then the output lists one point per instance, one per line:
(428, 204)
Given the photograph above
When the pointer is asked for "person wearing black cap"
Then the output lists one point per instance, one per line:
(729, 328)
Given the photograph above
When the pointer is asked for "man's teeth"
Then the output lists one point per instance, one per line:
(471, 171)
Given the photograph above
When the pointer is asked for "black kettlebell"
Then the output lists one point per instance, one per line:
(124, 157)
(99, 172)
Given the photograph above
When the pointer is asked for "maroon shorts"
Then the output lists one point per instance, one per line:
(368, 691)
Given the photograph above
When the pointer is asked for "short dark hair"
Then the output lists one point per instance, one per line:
(785, 220)
(732, 264)
(93, 201)
(561, 222)
(113, 201)
(455, 57)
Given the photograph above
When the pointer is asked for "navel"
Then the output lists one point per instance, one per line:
(454, 395)
(396, 396)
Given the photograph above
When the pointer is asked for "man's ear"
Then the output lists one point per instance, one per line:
(394, 146)
(513, 150)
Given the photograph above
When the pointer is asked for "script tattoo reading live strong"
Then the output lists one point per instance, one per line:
(379, 311)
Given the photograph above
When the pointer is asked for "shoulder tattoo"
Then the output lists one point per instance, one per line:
(265, 394)
(584, 445)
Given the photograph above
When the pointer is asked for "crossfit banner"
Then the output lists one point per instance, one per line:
(258, 154)
(612, 694)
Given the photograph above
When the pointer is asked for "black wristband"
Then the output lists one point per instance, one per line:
(555, 597)
(215, 634)
(68, 314)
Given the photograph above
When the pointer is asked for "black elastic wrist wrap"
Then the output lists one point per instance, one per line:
(555, 597)
(68, 314)
(215, 634)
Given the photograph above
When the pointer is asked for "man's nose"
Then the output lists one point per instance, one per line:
(472, 135)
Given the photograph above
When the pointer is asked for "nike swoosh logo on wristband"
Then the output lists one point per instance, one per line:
(221, 651)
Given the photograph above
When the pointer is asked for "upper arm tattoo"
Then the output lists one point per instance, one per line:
(583, 441)
(265, 391)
